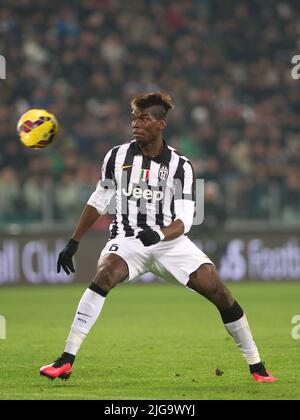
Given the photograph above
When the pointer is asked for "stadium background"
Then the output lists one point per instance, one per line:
(236, 118)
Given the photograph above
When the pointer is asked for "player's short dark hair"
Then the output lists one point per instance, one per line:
(159, 102)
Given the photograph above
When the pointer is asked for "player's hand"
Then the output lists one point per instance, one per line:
(65, 257)
(149, 237)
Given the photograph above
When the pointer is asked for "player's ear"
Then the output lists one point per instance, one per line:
(162, 124)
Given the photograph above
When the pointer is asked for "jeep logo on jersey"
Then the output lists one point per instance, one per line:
(137, 192)
(163, 173)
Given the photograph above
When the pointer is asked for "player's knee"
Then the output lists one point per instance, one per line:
(202, 280)
(213, 281)
(217, 291)
(206, 281)
(106, 277)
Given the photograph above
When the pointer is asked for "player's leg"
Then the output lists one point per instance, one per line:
(112, 270)
(205, 280)
(182, 260)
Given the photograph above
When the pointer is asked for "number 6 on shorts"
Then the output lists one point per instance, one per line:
(114, 248)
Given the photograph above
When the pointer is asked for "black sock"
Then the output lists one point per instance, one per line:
(258, 368)
(232, 314)
(70, 358)
(94, 288)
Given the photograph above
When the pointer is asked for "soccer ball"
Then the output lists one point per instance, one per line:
(37, 128)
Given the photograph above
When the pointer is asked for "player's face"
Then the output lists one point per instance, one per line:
(145, 126)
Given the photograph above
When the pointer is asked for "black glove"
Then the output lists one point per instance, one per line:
(65, 257)
(149, 237)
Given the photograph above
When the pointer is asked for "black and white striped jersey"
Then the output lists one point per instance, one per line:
(144, 192)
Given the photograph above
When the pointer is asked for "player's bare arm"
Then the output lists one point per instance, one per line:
(174, 230)
(88, 217)
(86, 220)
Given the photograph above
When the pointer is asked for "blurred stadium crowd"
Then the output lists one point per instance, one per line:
(227, 66)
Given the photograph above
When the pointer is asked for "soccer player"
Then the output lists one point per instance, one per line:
(148, 234)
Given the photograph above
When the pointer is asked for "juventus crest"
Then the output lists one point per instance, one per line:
(163, 173)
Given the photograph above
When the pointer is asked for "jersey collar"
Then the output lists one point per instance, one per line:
(163, 157)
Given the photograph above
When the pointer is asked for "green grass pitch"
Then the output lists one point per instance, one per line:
(155, 341)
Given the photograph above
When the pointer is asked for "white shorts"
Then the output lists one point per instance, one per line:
(176, 259)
